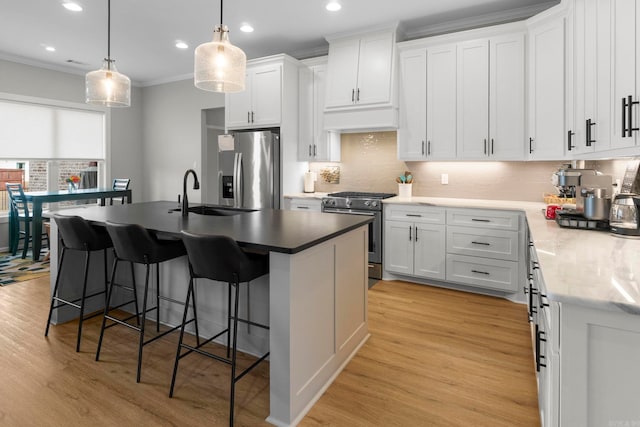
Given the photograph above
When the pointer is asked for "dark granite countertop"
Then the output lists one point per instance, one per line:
(274, 230)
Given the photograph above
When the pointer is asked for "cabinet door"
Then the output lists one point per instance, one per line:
(375, 69)
(326, 143)
(413, 105)
(441, 102)
(342, 77)
(266, 96)
(473, 99)
(624, 21)
(546, 91)
(506, 98)
(398, 246)
(305, 113)
(430, 251)
(238, 106)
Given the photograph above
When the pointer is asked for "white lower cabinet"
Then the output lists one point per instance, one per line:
(415, 241)
(303, 204)
(472, 247)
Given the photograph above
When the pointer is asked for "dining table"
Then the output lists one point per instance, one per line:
(38, 198)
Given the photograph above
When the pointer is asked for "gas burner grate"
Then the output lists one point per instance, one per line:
(361, 195)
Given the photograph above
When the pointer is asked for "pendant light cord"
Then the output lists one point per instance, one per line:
(109, 33)
(221, 1)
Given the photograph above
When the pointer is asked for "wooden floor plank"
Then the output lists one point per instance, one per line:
(435, 358)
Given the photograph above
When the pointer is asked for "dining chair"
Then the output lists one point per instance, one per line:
(120, 184)
(21, 219)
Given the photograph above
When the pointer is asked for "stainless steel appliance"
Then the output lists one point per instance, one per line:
(596, 203)
(359, 203)
(625, 215)
(249, 169)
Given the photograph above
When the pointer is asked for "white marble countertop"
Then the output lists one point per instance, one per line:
(316, 195)
(586, 267)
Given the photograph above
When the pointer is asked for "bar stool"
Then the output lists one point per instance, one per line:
(78, 235)
(220, 258)
(135, 244)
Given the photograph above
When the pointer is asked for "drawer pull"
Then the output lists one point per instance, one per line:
(480, 272)
(481, 243)
(480, 220)
(415, 215)
(303, 207)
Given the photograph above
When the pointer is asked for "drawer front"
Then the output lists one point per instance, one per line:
(483, 242)
(415, 213)
(483, 272)
(306, 204)
(484, 218)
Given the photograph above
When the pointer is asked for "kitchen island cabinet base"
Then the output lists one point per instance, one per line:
(317, 314)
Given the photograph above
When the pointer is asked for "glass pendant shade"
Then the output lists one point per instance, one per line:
(219, 65)
(108, 87)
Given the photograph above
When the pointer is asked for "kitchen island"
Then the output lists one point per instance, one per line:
(314, 298)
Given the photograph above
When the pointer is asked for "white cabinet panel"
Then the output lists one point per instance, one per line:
(260, 104)
(398, 247)
(483, 272)
(473, 99)
(415, 213)
(441, 102)
(343, 78)
(483, 242)
(429, 256)
(547, 90)
(484, 218)
(412, 132)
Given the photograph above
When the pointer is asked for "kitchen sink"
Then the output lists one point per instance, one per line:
(214, 210)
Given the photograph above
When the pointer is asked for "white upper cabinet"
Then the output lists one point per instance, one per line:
(473, 99)
(547, 137)
(315, 143)
(427, 105)
(260, 104)
(441, 102)
(591, 121)
(491, 98)
(412, 130)
(360, 71)
(625, 24)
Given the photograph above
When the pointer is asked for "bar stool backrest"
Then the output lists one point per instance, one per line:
(133, 242)
(216, 258)
(121, 183)
(76, 232)
(17, 199)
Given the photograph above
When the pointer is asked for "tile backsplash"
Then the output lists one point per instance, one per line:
(370, 163)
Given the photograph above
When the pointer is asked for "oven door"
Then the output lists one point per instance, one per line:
(375, 230)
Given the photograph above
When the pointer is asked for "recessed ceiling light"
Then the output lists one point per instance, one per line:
(50, 48)
(246, 28)
(74, 7)
(182, 45)
(333, 6)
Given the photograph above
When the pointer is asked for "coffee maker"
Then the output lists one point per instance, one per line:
(624, 218)
(585, 185)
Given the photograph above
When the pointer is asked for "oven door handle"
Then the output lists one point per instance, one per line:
(348, 212)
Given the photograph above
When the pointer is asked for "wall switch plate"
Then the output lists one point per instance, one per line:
(444, 178)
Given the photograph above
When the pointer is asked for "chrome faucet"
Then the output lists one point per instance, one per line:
(196, 186)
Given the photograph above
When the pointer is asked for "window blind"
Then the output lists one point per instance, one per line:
(36, 131)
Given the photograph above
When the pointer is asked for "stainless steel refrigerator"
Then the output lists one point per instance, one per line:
(249, 169)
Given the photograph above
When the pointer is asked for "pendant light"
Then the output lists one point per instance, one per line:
(107, 86)
(219, 65)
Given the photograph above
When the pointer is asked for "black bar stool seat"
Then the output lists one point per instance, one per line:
(79, 235)
(136, 244)
(219, 258)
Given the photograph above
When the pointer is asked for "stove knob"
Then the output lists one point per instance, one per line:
(374, 203)
(367, 203)
(349, 203)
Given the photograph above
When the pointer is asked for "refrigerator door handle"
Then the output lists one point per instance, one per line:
(237, 181)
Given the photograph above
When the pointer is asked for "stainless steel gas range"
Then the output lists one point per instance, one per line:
(358, 203)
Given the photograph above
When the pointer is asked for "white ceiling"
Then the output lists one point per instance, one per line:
(144, 32)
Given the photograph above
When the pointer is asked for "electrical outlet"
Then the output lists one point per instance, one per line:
(444, 178)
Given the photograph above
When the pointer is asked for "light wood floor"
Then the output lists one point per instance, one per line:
(435, 358)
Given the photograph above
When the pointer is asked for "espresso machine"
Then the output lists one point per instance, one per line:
(592, 192)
